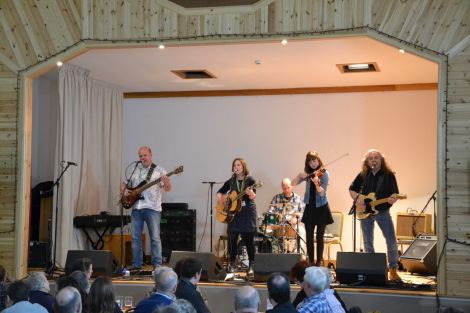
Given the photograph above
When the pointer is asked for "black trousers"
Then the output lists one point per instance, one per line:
(248, 237)
(309, 229)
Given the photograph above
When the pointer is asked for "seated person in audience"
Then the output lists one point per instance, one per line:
(247, 300)
(166, 281)
(83, 264)
(279, 294)
(190, 270)
(3, 288)
(17, 299)
(68, 281)
(82, 279)
(68, 300)
(178, 306)
(102, 298)
(315, 282)
(297, 274)
(336, 304)
(39, 290)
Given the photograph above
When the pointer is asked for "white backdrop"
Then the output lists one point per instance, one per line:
(273, 133)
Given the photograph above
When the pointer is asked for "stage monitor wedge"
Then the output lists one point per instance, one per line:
(421, 256)
(361, 268)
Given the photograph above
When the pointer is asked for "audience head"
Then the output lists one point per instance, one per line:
(3, 274)
(82, 280)
(297, 271)
(315, 280)
(83, 264)
(191, 268)
(247, 300)
(68, 300)
(166, 280)
(18, 291)
(67, 281)
(449, 309)
(102, 295)
(37, 281)
(182, 306)
(278, 288)
(329, 278)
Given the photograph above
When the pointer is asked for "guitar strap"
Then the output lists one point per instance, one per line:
(150, 172)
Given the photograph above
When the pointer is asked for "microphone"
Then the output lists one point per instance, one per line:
(372, 166)
(69, 163)
(137, 162)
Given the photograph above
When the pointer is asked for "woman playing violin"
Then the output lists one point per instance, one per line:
(317, 212)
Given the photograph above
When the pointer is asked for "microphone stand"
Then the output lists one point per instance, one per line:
(352, 211)
(52, 267)
(211, 189)
(415, 220)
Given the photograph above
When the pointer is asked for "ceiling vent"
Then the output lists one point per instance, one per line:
(358, 67)
(193, 74)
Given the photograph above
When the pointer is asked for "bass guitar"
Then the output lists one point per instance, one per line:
(226, 211)
(371, 202)
(134, 195)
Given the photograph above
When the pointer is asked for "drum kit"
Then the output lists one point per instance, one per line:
(279, 230)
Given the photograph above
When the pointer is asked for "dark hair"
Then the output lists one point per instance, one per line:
(190, 267)
(279, 287)
(82, 264)
(2, 273)
(82, 280)
(297, 271)
(312, 155)
(18, 291)
(67, 281)
(246, 171)
(102, 296)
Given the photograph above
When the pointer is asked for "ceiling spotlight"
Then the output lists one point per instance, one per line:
(257, 62)
(161, 46)
(284, 41)
(401, 51)
(59, 63)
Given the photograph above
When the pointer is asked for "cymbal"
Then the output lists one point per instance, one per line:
(282, 205)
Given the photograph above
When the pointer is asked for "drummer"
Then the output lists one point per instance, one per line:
(288, 205)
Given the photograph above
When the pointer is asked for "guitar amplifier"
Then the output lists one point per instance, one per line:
(178, 231)
(405, 225)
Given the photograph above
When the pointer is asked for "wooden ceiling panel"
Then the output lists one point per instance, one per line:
(192, 4)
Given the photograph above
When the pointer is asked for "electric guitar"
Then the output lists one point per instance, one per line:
(134, 195)
(370, 203)
(225, 212)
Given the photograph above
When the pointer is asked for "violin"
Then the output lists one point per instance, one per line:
(318, 173)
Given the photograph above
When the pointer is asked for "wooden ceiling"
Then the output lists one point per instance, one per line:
(190, 4)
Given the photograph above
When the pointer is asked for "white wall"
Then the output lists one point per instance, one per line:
(273, 133)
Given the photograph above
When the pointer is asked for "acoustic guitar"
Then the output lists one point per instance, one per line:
(371, 202)
(225, 212)
(128, 201)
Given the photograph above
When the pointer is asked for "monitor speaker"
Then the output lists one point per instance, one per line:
(421, 256)
(212, 268)
(102, 261)
(361, 268)
(267, 263)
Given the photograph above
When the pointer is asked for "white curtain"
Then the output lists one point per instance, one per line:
(90, 134)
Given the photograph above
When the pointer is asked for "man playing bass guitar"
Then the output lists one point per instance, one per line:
(243, 222)
(147, 208)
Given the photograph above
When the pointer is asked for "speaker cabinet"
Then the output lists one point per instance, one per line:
(405, 225)
(212, 268)
(102, 261)
(421, 256)
(178, 231)
(267, 263)
(361, 268)
(39, 254)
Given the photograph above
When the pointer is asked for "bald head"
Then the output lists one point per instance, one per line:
(68, 300)
(286, 187)
(145, 156)
(166, 279)
(247, 300)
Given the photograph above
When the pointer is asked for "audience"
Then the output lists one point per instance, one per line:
(332, 297)
(85, 265)
(178, 306)
(297, 274)
(68, 281)
(190, 270)
(315, 282)
(279, 294)
(39, 290)
(17, 299)
(102, 298)
(3, 288)
(166, 281)
(82, 280)
(247, 300)
(68, 300)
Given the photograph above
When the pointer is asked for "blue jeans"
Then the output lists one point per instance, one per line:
(152, 219)
(384, 220)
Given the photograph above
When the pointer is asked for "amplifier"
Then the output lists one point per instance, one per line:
(178, 231)
(405, 225)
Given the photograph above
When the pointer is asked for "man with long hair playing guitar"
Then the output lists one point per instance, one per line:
(147, 208)
(240, 212)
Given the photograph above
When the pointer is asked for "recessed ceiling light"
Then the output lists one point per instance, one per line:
(59, 63)
(161, 46)
(401, 51)
(284, 41)
(358, 67)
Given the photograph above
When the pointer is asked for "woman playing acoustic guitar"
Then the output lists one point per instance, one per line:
(240, 211)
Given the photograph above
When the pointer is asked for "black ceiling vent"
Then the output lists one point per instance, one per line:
(193, 74)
